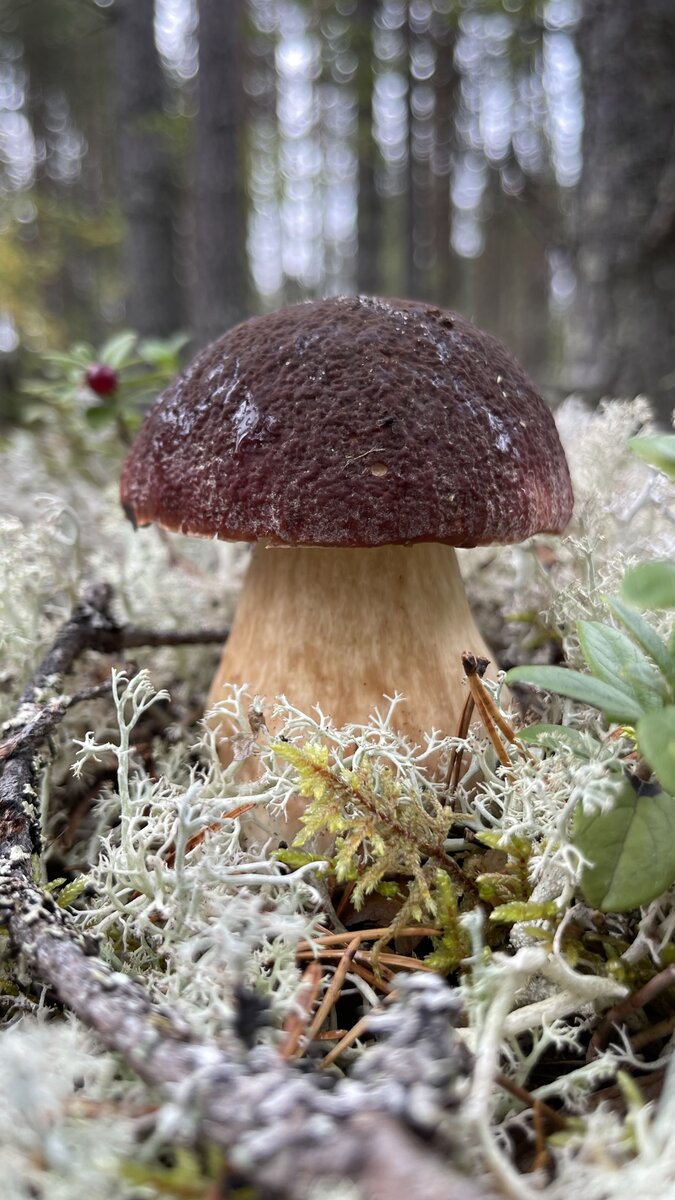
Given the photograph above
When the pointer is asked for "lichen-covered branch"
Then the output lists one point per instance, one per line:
(284, 1128)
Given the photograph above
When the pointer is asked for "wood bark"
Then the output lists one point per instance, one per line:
(146, 183)
(446, 84)
(623, 331)
(418, 198)
(412, 287)
(369, 219)
(221, 285)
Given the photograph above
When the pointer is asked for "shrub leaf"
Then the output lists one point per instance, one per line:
(614, 658)
(651, 585)
(644, 634)
(658, 451)
(656, 739)
(631, 848)
(615, 701)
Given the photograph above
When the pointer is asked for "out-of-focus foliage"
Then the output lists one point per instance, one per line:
(629, 844)
(89, 401)
(68, 390)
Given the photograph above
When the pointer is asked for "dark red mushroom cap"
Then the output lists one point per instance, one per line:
(351, 422)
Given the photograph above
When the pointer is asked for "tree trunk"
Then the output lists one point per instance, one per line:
(623, 328)
(369, 219)
(411, 278)
(446, 83)
(146, 184)
(221, 293)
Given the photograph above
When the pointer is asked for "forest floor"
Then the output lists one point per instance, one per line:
(448, 1002)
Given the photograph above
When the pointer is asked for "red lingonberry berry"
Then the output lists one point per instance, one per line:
(101, 379)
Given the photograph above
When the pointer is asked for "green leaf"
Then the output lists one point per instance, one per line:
(65, 360)
(658, 451)
(389, 889)
(73, 890)
(614, 658)
(296, 858)
(100, 414)
(83, 353)
(616, 702)
(631, 848)
(644, 634)
(162, 351)
(656, 741)
(544, 734)
(651, 585)
(524, 910)
(117, 349)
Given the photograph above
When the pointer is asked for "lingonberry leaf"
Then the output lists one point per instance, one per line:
(656, 740)
(613, 657)
(658, 451)
(644, 634)
(617, 703)
(100, 414)
(630, 849)
(651, 585)
(117, 349)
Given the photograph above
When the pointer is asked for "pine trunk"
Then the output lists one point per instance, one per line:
(623, 328)
(446, 83)
(146, 184)
(221, 290)
(369, 218)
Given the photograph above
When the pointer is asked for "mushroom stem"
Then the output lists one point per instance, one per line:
(343, 628)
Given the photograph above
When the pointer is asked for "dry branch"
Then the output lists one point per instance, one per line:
(284, 1128)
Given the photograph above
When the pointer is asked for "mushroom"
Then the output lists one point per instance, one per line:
(367, 438)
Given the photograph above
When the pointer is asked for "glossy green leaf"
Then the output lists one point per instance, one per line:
(658, 451)
(117, 349)
(83, 353)
(631, 848)
(644, 634)
(66, 361)
(614, 658)
(617, 703)
(162, 351)
(651, 585)
(656, 740)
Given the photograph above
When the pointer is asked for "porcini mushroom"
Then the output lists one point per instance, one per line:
(368, 438)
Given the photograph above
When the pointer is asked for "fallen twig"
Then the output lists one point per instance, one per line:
(630, 1004)
(132, 636)
(296, 1024)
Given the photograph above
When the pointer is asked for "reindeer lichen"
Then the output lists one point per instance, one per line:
(160, 872)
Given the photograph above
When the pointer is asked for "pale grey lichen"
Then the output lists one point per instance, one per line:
(68, 1121)
(179, 897)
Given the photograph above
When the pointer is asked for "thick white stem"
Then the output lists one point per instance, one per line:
(343, 628)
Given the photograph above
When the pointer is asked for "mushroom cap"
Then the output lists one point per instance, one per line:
(351, 422)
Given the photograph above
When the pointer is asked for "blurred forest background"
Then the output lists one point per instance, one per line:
(178, 165)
